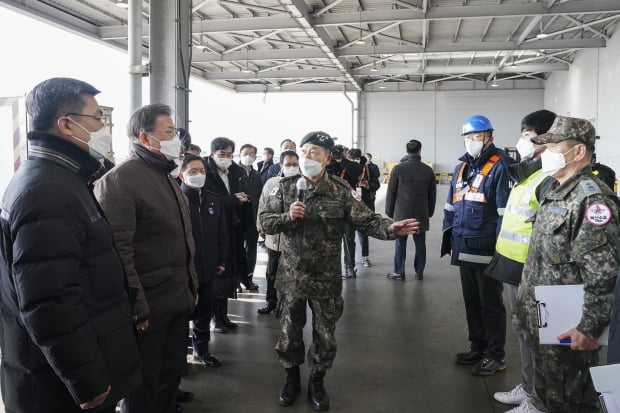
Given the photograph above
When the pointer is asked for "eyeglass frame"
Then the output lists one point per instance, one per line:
(170, 134)
(101, 118)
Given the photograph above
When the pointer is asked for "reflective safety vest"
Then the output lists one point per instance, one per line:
(470, 193)
(514, 237)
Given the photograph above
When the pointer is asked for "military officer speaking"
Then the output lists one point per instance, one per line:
(310, 211)
(575, 240)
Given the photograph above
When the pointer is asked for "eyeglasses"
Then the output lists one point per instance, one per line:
(476, 137)
(171, 133)
(100, 118)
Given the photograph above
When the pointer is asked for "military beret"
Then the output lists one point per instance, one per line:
(318, 138)
(565, 128)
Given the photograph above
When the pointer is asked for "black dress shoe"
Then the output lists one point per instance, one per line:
(220, 328)
(229, 324)
(179, 408)
(251, 287)
(419, 277)
(208, 360)
(239, 290)
(184, 396)
(469, 357)
(267, 309)
(394, 276)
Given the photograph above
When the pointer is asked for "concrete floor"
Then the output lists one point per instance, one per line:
(396, 346)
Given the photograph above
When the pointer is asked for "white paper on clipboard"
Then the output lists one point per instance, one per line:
(605, 379)
(559, 310)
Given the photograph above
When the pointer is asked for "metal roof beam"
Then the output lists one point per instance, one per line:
(378, 16)
(433, 47)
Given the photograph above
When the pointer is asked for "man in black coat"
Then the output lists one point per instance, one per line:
(225, 178)
(68, 339)
(210, 237)
(411, 193)
(264, 165)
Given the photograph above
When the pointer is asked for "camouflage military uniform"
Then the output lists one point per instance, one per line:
(576, 240)
(310, 266)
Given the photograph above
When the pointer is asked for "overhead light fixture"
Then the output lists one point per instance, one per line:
(277, 86)
(246, 69)
(122, 4)
(382, 85)
(541, 33)
(494, 84)
(360, 40)
(374, 67)
(513, 64)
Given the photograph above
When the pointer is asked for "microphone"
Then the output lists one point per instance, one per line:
(302, 187)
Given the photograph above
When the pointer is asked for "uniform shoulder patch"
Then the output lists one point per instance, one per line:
(274, 191)
(598, 213)
(356, 195)
(589, 187)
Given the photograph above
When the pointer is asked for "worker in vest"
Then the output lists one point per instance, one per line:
(473, 212)
(514, 240)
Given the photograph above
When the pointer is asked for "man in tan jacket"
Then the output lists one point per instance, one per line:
(150, 222)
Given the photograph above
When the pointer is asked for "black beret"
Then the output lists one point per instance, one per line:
(318, 138)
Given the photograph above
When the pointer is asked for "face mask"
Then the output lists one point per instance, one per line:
(222, 163)
(99, 144)
(473, 147)
(247, 160)
(310, 167)
(170, 149)
(195, 181)
(554, 161)
(290, 170)
(525, 147)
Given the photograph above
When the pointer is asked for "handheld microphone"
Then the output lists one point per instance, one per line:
(302, 187)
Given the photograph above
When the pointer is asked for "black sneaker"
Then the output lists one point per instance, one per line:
(469, 357)
(488, 367)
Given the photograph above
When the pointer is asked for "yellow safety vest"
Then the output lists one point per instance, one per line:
(514, 237)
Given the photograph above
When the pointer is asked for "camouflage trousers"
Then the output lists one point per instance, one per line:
(563, 379)
(290, 347)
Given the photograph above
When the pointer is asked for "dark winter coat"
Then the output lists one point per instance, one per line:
(67, 328)
(411, 192)
(149, 216)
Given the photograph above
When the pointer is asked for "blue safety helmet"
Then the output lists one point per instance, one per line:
(476, 123)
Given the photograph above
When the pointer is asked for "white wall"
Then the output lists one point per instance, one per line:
(591, 90)
(435, 118)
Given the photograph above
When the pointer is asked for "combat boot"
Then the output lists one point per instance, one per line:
(291, 388)
(316, 391)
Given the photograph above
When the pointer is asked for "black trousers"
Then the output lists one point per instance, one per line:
(201, 323)
(349, 246)
(273, 257)
(363, 239)
(250, 240)
(163, 354)
(485, 312)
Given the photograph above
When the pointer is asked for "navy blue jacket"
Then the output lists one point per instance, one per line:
(475, 225)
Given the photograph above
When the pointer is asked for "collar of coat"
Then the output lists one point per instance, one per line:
(480, 160)
(44, 145)
(154, 161)
(558, 191)
(411, 157)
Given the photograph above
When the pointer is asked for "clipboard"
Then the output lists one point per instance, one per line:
(559, 310)
(605, 379)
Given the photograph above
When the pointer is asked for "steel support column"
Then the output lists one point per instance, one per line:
(135, 54)
(169, 55)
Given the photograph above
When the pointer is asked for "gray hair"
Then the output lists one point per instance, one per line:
(145, 118)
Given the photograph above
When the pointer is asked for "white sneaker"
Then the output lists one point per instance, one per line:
(514, 396)
(525, 407)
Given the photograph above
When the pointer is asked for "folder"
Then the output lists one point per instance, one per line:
(605, 379)
(559, 310)
(446, 242)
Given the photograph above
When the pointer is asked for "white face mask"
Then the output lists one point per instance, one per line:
(100, 142)
(473, 147)
(310, 167)
(171, 149)
(195, 181)
(290, 170)
(552, 162)
(248, 160)
(222, 163)
(525, 147)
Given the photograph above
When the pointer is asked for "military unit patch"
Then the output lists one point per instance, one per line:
(274, 191)
(356, 195)
(597, 213)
